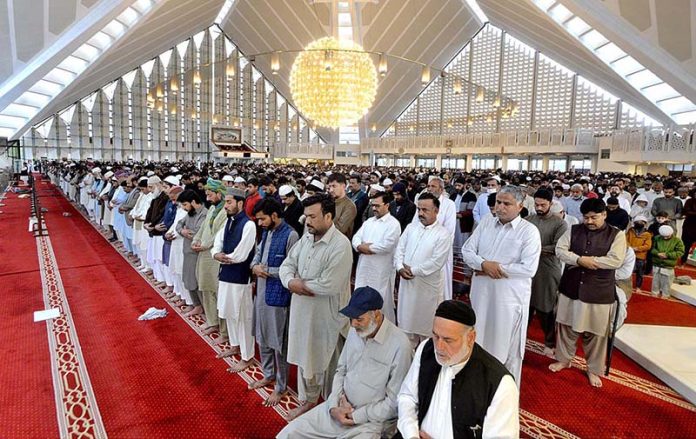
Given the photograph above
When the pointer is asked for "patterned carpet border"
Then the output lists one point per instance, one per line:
(76, 406)
(636, 383)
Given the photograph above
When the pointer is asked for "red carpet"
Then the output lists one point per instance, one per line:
(151, 379)
(160, 379)
(26, 386)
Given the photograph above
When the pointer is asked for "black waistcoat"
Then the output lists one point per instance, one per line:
(589, 286)
(473, 389)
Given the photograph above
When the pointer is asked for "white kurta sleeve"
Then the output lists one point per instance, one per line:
(357, 238)
(219, 239)
(470, 254)
(441, 251)
(529, 256)
(401, 248)
(288, 269)
(246, 244)
(389, 239)
(502, 417)
(408, 399)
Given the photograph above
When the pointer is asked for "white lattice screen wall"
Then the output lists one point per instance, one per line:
(518, 81)
(554, 95)
(594, 109)
(455, 105)
(116, 122)
(485, 71)
(430, 114)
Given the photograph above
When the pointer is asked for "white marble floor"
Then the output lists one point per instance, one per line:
(687, 293)
(669, 352)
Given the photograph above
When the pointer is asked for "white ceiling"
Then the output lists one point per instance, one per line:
(427, 31)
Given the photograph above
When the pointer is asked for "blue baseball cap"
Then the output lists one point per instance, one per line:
(362, 300)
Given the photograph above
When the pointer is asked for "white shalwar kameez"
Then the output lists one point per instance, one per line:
(502, 305)
(377, 270)
(447, 217)
(176, 258)
(234, 301)
(106, 217)
(501, 419)
(85, 187)
(140, 235)
(425, 250)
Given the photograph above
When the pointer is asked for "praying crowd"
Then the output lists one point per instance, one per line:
(347, 273)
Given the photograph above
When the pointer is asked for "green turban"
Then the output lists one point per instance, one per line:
(215, 186)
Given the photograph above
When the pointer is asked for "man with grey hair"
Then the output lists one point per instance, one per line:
(504, 253)
(572, 203)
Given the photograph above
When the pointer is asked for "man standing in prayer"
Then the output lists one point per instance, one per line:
(447, 217)
(273, 299)
(187, 228)
(548, 276)
(358, 196)
(372, 366)
(402, 208)
(292, 208)
(591, 252)
(252, 198)
(207, 268)
(345, 209)
(153, 224)
(668, 203)
(481, 208)
(375, 243)
(234, 250)
(504, 252)
(571, 204)
(317, 272)
(137, 214)
(454, 388)
(422, 252)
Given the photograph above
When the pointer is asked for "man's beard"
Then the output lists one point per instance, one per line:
(542, 212)
(455, 359)
(365, 332)
(157, 192)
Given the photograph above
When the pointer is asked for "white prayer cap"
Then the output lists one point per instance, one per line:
(666, 231)
(153, 180)
(172, 180)
(174, 169)
(590, 186)
(142, 179)
(379, 174)
(556, 207)
(239, 180)
(150, 173)
(387, 182)
(641, 218)
(108, 174)
(108, 168)
(285, 190)
(529, 178)
(377, 187)
(227, 178)
(96, 170)
(556, 181)
(328, 173)
(584, 178)
(179, 176)
(433, 177)
(566, 187)
(317, 185)
(642, 197)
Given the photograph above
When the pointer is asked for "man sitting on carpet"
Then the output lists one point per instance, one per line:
(455, 388)
(374, 361)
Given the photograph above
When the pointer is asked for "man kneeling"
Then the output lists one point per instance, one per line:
(454, 388)
(374, 362)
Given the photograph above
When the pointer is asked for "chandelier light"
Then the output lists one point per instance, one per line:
(333, 82)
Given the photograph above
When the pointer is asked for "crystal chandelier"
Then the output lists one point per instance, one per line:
(333, 82)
